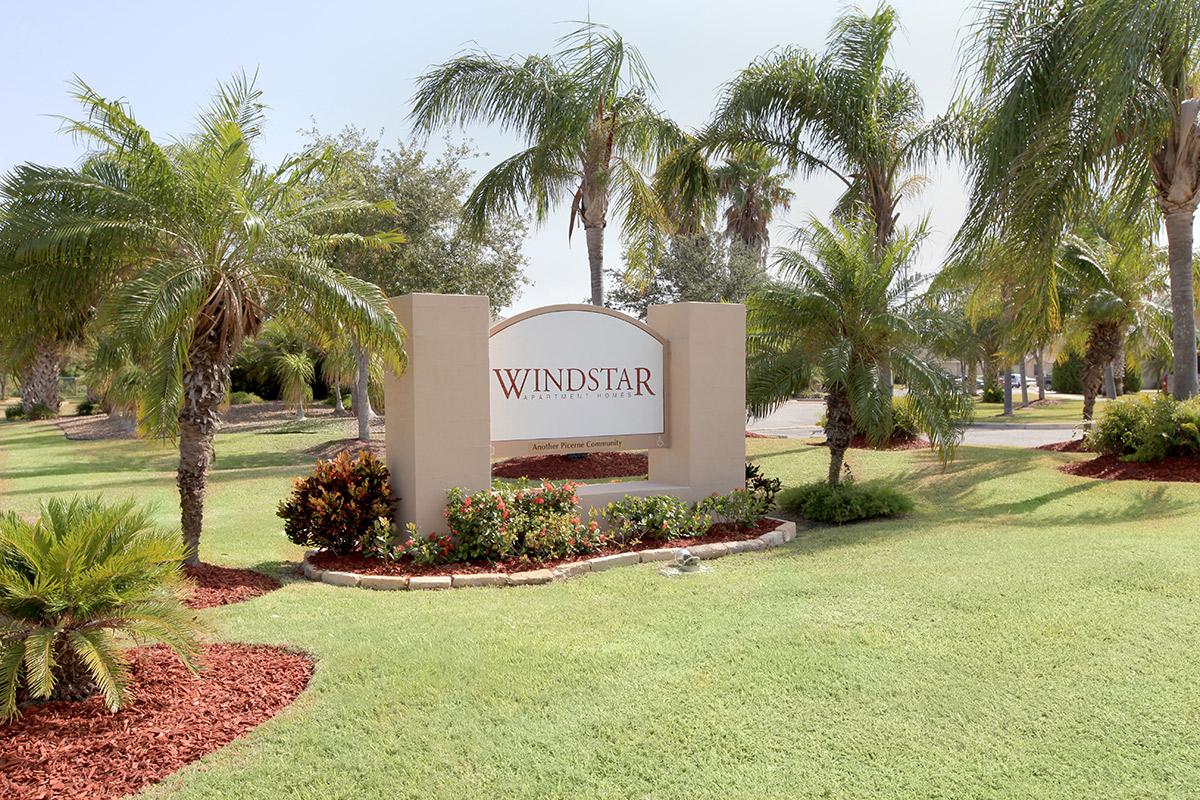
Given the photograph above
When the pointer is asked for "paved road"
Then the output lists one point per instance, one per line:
(797, 419)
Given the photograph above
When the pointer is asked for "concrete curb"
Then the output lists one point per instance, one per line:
(786, 532)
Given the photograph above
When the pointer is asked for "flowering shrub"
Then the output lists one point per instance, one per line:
(561, 535)
(345, 506)
(657, 518)
(480, 523)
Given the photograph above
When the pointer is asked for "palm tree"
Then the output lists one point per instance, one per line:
(1110, 274)
(590, 130)
(844, 112)
(837, 314)
(209, 242)
(75, 585)
(1088, 96)
(749, 181)
(295, 372)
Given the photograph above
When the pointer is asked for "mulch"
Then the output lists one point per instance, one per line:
(329, 450)
(365, 565)
(1111, 468)
(220, 586)
(81, 751)
(1071, 446)
(863, 443)
(560, 467)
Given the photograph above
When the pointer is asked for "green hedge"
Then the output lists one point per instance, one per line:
(1148, 429)
(846, 502)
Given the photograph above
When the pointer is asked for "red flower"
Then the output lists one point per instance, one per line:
(539, 500)
(575, 520)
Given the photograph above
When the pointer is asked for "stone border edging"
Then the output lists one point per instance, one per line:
(786, 532)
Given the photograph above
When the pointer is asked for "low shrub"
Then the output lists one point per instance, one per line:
(1065, 375)
(40, 411)
(845, 502)
(658, 518)
(75, 586)
(243, 398)
(761, 486)
(344, 507)
(992, 394)
(86, 408)
(741, 508)
(14, 412)
(1145, 429)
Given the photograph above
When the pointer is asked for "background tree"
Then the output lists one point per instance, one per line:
(843, 112)
(590, 132)
(210, 242)
(710, 268)
(835, 314)
(1085, 97)
(441, 254)
(753, 188)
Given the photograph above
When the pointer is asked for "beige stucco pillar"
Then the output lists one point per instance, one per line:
(438, 425)
(706, 397)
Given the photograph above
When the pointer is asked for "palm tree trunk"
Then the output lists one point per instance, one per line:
(1102, 341)
(1039, 372)
(972, 374)
(1008, 398)
(1119, 368)
(1183, 302)
(39, 377)
(1110, 381)
(339, 408)
(1024, 383)
(361, 393)
(204, 385)
(839, 429)
(595, 248)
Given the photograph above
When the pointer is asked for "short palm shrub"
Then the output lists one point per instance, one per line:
(1144, 429)
(40, 411)
(243, 398)
(344, 507)
(74, 585)
(14, 412)
(848, 501)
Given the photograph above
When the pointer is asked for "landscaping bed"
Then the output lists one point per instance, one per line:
(895, 443)
(366, 565)
(560, 467)
(80, 750)
(221, 586)
(1111, 468)
(1072, 446)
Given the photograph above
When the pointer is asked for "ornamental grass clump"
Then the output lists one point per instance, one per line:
(344, 507)
(76, 586)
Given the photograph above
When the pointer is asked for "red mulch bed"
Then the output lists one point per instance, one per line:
(1111, 468)
(78, 751)
(1072, 446)
(220, 586)
(755, 435)
(365, 565)
(559, 467)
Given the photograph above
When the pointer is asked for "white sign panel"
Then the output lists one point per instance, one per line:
(576, 379)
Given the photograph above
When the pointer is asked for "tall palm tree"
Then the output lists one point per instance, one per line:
(588, 125)
(749, 181)
(1111, 275)
(836, 314)
(208, 242)
(1076, 97)
(844, 112)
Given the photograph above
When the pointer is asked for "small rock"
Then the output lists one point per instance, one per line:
(771, 539)
(533, 576)
(709, 550)
(429, 582)
(745, 546)
(479, 579)
(787, 530)
(339, 578)
(602, 563)
(572, 569)
(311, 572)
(387, 583)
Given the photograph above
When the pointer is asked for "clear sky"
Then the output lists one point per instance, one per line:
(355, 62)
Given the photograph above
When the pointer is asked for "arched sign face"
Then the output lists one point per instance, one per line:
(577, 378)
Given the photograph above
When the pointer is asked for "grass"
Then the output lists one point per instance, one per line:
(1023, 633)
(1049, 410)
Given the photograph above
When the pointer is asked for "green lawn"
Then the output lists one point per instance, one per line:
(1051, 410)
(1024, 634)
